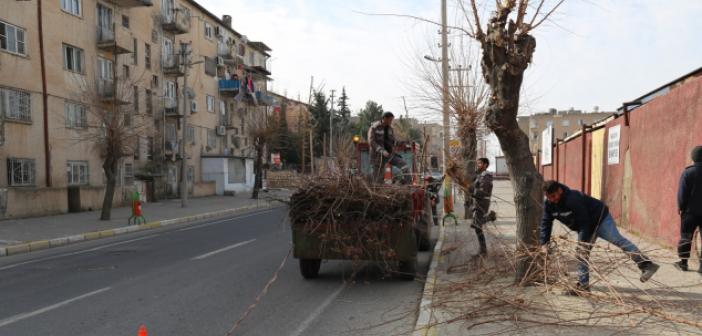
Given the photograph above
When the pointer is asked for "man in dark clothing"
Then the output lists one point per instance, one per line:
(481, 191)
(690, 207)
(590, 218)
(381, 138)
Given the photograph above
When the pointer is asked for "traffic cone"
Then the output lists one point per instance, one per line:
(142, 331)
(387, 175)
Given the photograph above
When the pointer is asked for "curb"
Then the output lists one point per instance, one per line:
(423, 325)
(61, 241)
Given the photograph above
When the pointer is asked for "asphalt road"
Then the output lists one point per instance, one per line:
(198, 280)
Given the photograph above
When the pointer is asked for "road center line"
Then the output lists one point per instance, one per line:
(21, 317)
(302, 327)
(209, 254)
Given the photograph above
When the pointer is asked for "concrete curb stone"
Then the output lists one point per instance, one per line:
(423, 325)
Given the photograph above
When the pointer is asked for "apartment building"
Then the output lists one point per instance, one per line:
(565, 123)
(85, 56)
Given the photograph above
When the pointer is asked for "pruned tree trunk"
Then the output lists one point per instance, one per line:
(469, 154)
(505, 58)
(110, 167)
(258, 171)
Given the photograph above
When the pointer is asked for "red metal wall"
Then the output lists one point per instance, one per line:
(654, 148)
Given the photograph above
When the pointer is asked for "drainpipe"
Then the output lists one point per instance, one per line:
(45, 98)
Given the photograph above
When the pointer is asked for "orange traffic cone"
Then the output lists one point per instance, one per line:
(387, 175)
(142, 331)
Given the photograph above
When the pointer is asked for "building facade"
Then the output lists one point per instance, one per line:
(64, 62)
(565, 123)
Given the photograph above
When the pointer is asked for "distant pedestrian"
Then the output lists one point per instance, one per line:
(481, 191)
(590, 218)
(690, 207)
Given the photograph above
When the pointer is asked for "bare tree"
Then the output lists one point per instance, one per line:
(264, 131)
(467, 99)
(113, 126)
(508, 47)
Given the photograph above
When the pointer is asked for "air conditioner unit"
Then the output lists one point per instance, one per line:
(221, 130)
(193, 106)
(220, 61)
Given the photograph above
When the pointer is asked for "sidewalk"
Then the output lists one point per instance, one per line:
(475, 296)
(28, 234)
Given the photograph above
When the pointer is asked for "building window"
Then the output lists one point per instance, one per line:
(136, 99)
(236, 171)
(149, 102)
(20, 172)
(125, 71)
(150, 148)
(171, 133)
(210, 103)
(208, 31)
(128, 174)
(15, 104)
(125, 21)
(154, 81)
(223, 119)
(76, 116)
(211, 138)
(12, 38)
(71, 6)
(565, 123)
(191, 173)
(147, 55)
(154, 36)
(190, 135)
(135, 54)
(73, 58)
(77, 172)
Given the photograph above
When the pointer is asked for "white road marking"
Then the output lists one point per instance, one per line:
(209, 254)
(302, 327)
(21, 317)
(124, 242)
(222, 221)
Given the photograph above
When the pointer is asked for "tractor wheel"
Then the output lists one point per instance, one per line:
(309, 268)
(407, 269)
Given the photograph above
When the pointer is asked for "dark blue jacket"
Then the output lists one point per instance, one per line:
(577, 211)
(690, 190)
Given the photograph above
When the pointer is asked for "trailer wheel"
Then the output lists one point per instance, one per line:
(309, 268)
(407, 269)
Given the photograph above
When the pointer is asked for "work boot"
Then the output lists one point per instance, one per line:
(681, 265)
(648, 270)
(579, 290)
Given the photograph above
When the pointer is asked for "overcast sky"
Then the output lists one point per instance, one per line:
(594, 53)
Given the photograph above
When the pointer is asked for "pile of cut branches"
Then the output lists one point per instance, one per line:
(351, 217)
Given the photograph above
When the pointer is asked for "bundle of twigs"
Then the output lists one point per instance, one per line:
(352, 217)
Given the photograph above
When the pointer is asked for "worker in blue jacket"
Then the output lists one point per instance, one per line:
(690, 207)
(590, 218)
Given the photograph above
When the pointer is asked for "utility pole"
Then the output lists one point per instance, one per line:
(331, 125)
(406, 110)
(185, 62)
(445, 80)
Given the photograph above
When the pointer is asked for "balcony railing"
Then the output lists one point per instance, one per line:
(176, 21)
(106, 89)
(113, 40)
(172, 65)
(132, 3)
(229, 86)
(223, 50)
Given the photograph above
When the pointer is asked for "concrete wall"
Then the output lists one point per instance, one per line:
(31, 202)
(654, 148)
(202, 189)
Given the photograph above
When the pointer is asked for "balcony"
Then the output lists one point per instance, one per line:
(172, 66)
(107, 92)
(176, 21)
(224, 51)
(264, 99)
(132, 3)
(116, 41)
(170, 108)
(229, 87)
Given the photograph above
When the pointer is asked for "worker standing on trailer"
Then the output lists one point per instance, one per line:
(690, 207)
(381, 138)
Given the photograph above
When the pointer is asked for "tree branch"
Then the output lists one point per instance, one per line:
(417, 18)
